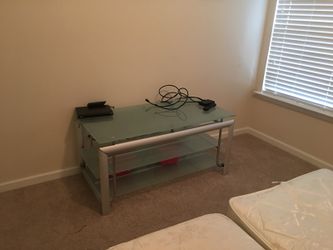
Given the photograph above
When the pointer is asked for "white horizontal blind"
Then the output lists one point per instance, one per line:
(300, 60)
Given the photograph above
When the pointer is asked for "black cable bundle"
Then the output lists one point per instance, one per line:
(173, 98)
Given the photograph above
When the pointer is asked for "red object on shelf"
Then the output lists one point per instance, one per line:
(122, 173)
(171, 161)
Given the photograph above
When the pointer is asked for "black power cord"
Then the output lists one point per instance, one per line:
(173, 98)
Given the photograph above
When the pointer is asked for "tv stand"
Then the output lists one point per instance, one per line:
(142, 146)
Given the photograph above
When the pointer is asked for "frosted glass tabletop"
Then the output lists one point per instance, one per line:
(145, 120)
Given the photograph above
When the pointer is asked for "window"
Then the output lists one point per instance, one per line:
(300, 60)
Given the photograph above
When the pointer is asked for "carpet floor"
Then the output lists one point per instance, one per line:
(64, 214)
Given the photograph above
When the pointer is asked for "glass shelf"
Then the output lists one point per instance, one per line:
(150, 155)
(145, 120)
(157, 174)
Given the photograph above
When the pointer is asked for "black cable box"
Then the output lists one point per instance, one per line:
(93, 109)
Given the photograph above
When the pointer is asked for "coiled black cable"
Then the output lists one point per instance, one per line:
(173, 98)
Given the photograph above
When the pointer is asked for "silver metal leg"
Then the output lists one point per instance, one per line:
(104, 183)
(227, 149)
(80, 143)
(114, 175)
(218, 152)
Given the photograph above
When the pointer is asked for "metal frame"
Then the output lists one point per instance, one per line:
(113, 150)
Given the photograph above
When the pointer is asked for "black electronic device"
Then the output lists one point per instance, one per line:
(96, 104)
(209, 107)
(94, 109)
(207, 104)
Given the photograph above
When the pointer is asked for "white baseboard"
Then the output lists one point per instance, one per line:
(290, 149)
(36, 179)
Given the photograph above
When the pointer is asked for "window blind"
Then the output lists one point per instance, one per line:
(300, 59)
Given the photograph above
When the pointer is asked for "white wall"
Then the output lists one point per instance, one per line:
(59, 54)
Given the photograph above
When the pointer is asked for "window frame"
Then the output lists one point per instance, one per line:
(289, 102)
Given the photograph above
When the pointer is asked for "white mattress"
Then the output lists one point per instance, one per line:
(297, 214)
(212, 231)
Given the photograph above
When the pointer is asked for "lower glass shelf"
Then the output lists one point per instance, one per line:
(151, 155)
(156, 174)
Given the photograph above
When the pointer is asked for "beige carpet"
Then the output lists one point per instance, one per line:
(64, 214)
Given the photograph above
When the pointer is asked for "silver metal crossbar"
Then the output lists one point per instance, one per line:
(130, 145)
